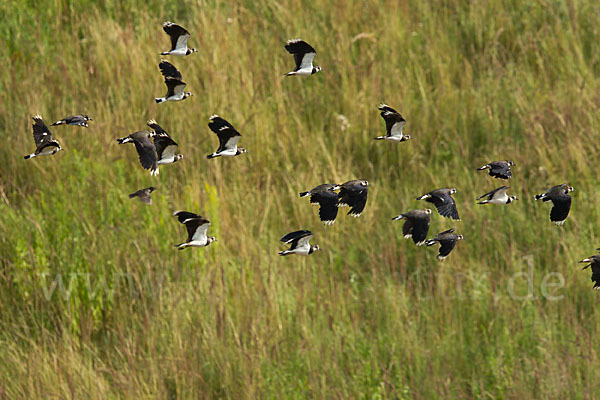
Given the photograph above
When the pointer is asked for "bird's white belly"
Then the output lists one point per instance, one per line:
(179, 52)
(197, 243)
(228, 153)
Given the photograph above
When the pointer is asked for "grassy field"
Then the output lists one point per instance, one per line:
(370, 315)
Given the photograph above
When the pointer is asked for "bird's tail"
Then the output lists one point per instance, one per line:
(132, 195)
(182, 246)
(429, 242)
(58, 123)
(304, 194)
(482, 168)
(290, 73)
(125, 139)
(425, 196)
(164, 53)
(213, 155)
(27, 157)
(285, 253)
(154, 172)
(483, 202)
(398, 217)
(540, 196)
(586, 260)
(380, 138)
(160, 100)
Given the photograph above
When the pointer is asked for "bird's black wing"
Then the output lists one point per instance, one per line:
(295, 236)
(228, 135)
(299, 48)
(41, 133)
(175, 32)
(161, 143)
(146, 152)
(174, 86)
(356, 197)
(157, 128)
(420, 228)
(445, 205)
(561, 207)
(169, 71)
(490, 194)
(193, 224)
(183, 216)
(328, 205)
(446, 247)
(391, 117)
(596, 273)
(500, 170)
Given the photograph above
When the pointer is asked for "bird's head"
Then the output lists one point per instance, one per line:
(210, 239)
(190, 51)
(460, 237)
(511, 163)
(570, 189)
(428, 211)
(511, 199)
(188, 94)
(241, 150)
(406, 137)
(452, 190)
(364, 182)
(87, 118)
(178, 157)
(316, 69)
(314, 248)
(151, 189)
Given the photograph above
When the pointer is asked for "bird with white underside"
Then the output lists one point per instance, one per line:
(304, 55)
(179, 38)
(197, 227)
(299, 241)
(228, 138)
(45, 144)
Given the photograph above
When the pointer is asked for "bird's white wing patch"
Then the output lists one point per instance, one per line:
(178, 90)
(307, 61)
(169, 152)
(200, 234)
(182, 42)
(232, 142)
(397, 129)
(303, 242)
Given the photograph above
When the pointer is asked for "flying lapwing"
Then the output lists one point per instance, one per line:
(166, 147)
(443, 202)
(228, 138)
(144, 195)
(173, 80)
(561, 201)
(594, 262)
(77, 120)
(497, 196)
(299, 243)
(447, 241)
(45, 145)
(394, 122)
(179, 38)
(196, 226)
(145, 149)
(416, 225)
(354, 194)
(327, 199)
(498, 169)
(304, 55)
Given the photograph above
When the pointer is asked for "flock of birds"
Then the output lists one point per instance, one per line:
(156, 147)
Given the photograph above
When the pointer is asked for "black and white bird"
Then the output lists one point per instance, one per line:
(179, 38)
(228, 138)
(394, 122)
(443, 202)
(77, 120)
(416, 225)
(327, 199)
(497, 196)
(173, 80)
(145, 149)
(197, 226)
(166, 147)
(447, 241)
(144, 195)
(561, 201)
(594, 262)
(45, 145)
(498, 169)
(304, 55)
(299, 241)
(354, 194)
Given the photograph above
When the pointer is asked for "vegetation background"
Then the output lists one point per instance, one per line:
(370, 315)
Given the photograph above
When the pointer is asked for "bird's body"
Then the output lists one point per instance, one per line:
(76, 120)
(354, 194)
(324, 196)
(594, 262)
(166, 147)
(196, 226)
(447, 241)
(443, 201)
(304, 55)
(45, 145)
(498, 169)
(144, 195)
(179, 38)
(299, 241)
(145, 149)
(394, 122)
(561, 201)
(497, 196)
(416, 225)
(175, 85)
(228, 138)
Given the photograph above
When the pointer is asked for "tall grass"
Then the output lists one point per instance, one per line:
(369, 316)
